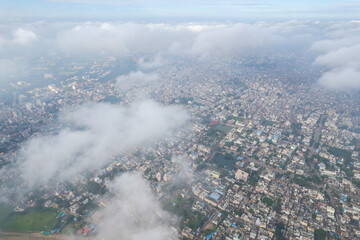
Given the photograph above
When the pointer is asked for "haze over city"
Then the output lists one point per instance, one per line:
(179, 120)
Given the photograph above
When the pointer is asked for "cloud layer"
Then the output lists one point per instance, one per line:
(114, 39)
(136, 79)
(133, 212)
(94, 133)
(340, 56)
(24, 36)
(335, 43)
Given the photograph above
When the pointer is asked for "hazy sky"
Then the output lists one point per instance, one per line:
(185, 9)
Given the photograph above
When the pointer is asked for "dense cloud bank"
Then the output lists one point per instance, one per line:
(95, 132)
(335, 43)
(128, 38)
(340, 55)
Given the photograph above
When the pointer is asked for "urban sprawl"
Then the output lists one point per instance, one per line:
(268, 153)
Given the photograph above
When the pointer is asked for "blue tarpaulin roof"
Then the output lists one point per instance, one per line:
(196, 191)
(218, 191)
(214, 196)
(209, 236)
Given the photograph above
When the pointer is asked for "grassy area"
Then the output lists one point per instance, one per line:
(179, 206)
(224, 161)
(238, 83)
(223, 128)
(112, 99)
(267, 123)
(240, 119)
(195, 221)
(30, 220)
(296, 128)
(268, 201)
(5, 212)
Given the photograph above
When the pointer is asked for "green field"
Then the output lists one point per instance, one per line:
(226, 160)
(30, 220)
(5, 212)
(224, 128)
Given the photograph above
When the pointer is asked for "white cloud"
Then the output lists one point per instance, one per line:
(22, 36)
(232, 39)
(12, 69)
(346, 78)
(160, 40)
(150, 63)
(99, 131)
(133, 213)
(183, 163)
(136, 79)
(344, 56)
(119, 39)
(2, 42)
(341, 57)
(336, 42)
(197, 40)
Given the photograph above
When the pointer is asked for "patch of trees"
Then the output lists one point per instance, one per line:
(356, 183)
(341, 153)
(95, 188)
(296, 128)
(179, 206)
(201, 167)
(238, 83)
(267, 123)
(195, 221)
(277, 205)
(214, 132)
(224, 160)
(254, 177)
(207, 232)
(306, 181)
(319, 234)
(278, 231)
(268, 201)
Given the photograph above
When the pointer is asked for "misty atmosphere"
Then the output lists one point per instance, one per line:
(160, 120)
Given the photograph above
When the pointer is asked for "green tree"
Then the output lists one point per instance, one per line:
(278, 231)
(207, 232)
(319, 234)
(277, 206)
(268, 201)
